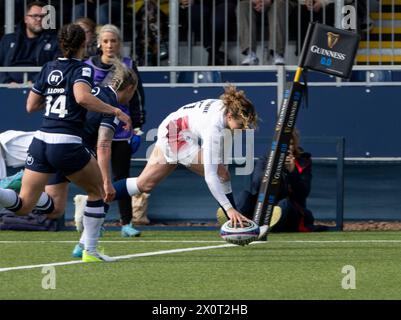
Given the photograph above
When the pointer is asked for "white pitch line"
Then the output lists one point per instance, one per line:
(116, 241)
(130, 256)
(162, 252)
(203, 241)
(337, 241)
(148, 254)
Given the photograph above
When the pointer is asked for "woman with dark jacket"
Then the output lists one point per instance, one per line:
(109, 42)
(295, 185)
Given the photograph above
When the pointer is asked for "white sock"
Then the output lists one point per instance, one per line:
(91, 232)
(9, 199)
(92, 221)
(132, 186)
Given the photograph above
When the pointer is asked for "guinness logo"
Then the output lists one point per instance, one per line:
(332, 39)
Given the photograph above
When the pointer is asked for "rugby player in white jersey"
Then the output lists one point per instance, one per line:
(178, 142)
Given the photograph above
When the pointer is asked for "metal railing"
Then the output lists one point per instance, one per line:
(230, 29)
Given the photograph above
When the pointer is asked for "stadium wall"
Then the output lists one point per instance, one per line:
(366, 117)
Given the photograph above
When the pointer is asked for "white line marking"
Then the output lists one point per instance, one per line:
(329, 241)
(202, 241)
(130, 256)
(116, 241)
(148, 254)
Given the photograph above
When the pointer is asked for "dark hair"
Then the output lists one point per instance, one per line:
(35, 3)
(70, 38)
(88, 22)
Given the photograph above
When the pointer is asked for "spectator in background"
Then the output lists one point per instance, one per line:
(151, 30)
(30, 45)
(105, 12)
(90, 36)
(247, 11)
(212, 29)
(315, 11)
(295, 186)
(109, 40)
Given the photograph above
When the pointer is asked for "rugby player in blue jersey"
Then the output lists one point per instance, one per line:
(63, 89)
(97, 137)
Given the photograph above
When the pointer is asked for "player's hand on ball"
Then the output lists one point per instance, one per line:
(236, 217)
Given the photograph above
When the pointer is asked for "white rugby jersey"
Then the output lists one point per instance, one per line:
(203, 120)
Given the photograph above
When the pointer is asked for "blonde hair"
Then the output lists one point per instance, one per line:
(112, 29)
(240, 107)
(122, 76)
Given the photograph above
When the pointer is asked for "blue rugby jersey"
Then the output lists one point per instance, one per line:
(55, 82)
(95, 119)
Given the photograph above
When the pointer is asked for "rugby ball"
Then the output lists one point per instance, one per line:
(238, 235)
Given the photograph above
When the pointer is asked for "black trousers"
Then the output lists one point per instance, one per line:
(220, 19)
(120, 166)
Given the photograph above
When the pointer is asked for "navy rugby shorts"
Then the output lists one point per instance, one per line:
(63, 158)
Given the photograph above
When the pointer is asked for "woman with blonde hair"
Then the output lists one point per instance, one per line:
(110, 45)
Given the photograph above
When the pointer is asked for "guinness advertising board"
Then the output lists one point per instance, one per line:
(329, 50)
(270, 186)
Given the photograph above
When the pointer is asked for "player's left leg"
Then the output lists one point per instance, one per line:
(89, 178)
(156, 170)
(31, 194)
(59, 194)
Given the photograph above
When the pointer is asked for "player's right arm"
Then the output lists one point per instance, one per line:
(34, 102)
(103, 150)
(36, 97)
(211, 161)
(84, 97)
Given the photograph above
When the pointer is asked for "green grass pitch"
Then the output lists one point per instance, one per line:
(288, 266)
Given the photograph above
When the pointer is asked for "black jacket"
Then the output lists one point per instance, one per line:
(46, 49)
(294, 186)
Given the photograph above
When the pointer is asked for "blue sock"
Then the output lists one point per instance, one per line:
(106, 208)
(121, 189)
(125, 188)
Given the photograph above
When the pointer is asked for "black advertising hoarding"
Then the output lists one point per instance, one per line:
(330, 50)
(270, 186)
(327, 50)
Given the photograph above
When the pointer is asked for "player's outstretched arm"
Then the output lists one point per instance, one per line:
(83, 96)
(34, 102)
